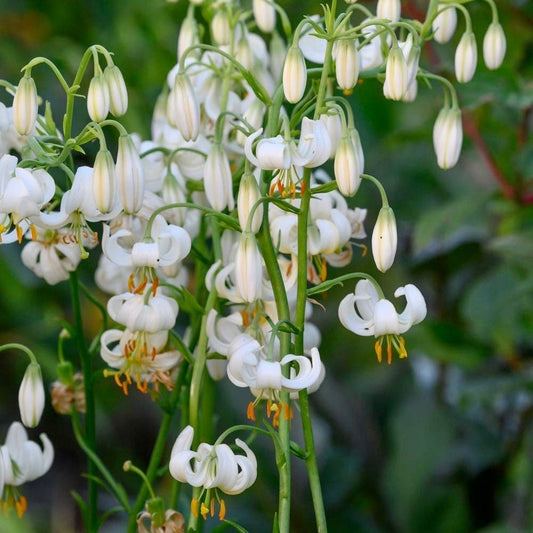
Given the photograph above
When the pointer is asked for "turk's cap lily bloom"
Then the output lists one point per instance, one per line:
(26, 461)
(143, 312)
(494, 46)
(25, 106)
(213, 467)
(222, 330)
(31, 396)
(377, 316)
(314, 146)
(168, 245)
(444, 23)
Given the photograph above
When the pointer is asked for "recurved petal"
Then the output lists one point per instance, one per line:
(385, 319)
(415, 311)
(351, 320)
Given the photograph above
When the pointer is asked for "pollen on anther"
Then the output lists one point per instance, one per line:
(250, 412)
(222, 512)
(194, 507)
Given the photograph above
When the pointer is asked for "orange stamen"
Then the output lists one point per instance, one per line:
(19, 234)
(403, 351)
(377, 347)
(222, 512)
(204, 510)
(212, 513)
(275, 418)
(303, 188)
(194, 507)
(141, 287)
(250, 412)
(155, 285)
(269, 408)
(116, 377)
(389, 352)
(131, 282)
(33, 232)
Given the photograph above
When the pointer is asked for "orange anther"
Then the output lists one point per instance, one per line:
(377, 347)
(33, 232)
(250, 412)
(19, 234)
(222, 512)
(204, 510)
(389, 352)
(194, 507)
(212, 508)
(155, 285)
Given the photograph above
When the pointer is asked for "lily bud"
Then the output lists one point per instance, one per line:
(244, 53)
(448, 137)
(494, 46)
(384, 239)
(347, 166)
(218, 182)
(389, 9)
(294, 75)
(265, 15)
(395, 75)
(347, 64)
(25, 106)
(254, 116)
(466, 57)
(98, 99)
(278, 51)
(444, 23)
(183, 110)
(130, 175)
(188, 35)
(104, 181)
(118, 93)
(247, 197)
(220, 28)
(248, 268)
(31, 396)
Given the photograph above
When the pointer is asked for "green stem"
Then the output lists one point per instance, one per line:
(90, 417)
(17, 346)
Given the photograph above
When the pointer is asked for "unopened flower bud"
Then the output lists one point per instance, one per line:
(220, 28)
(218, 181)
(98, 99)
(130, 176)
(265, 15)
(494, 46)
(384, 239)
(278, 51)
(244, 53)
(172, 193)
(294, 75)
(183, 110)
(247, 197)
(118, 93)
(347, 166)
(104, 181)
(389, 9)
(31, 396)
(444, 23)
(347, 64)
(395, 75)
(25, 106)
(466, 57)
(448, 137)
(188, 35)
(248, 268)
(254, 116)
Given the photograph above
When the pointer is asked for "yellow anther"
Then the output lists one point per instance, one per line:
(194, 507)
(377, 347)
(204, 510)
(222, 512)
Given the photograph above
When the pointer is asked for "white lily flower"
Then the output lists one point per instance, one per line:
(444, 23)
(264, 15)
(370, 56)
(494, 46)
(31, 396)
(222, 330)
(212, 467)
(313, 47)
(384, 239)
(21, 460)
(25, 106)
(314, 146)
(218, 182)
(333, 124)
(143, 312)
(466, 57)
(138, 356)
(448, 137)
(270, 153)
(376, 316)
(168, 244)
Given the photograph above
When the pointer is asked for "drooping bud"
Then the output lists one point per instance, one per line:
(183, 110)
(384, 239)
(98, 99)
(188, 35)
(248, 268)
(25, 106)
(448, 137)
(118, 93)
(395, 75)
(244, 53)
(172, 193)
(247, 197)
(347, 165)
(218, 182)
(265, 15)
(389, 9)
(494, 46)
(347, 64)
(31, 396)
(104, 185)
(130, 175)
(294, 75)
(254, 116)
(466, 57)
(444, 23)
(411, 52)
(278, 52)
(220, 28)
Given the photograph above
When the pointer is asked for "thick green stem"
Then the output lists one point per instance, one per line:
(90, 417)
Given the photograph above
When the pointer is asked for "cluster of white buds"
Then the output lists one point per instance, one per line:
(107, 93)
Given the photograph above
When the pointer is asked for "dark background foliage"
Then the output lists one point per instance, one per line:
(439, 442)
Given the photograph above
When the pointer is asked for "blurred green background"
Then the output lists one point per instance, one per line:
(440, 442)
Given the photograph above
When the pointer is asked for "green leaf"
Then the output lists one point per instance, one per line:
(516, 248)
